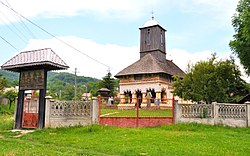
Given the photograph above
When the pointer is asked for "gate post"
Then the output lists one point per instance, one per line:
(99, 107)
(19, 110)
(95, 110)
(248, 113)
(177, 112)
(173, 109)
(48, 102)
(137, 112)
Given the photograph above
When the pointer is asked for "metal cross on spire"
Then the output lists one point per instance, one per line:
(152, 14)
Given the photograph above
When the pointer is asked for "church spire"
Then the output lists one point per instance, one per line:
(152, 40)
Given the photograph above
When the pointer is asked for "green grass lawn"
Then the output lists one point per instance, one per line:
(132, 113)
(180, 139)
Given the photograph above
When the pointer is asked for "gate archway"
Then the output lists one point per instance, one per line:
(33, 67)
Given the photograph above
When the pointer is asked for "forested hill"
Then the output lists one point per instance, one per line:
(69, 78)
(52, 77)
(10, 76)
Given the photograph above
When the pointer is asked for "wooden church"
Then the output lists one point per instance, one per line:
(152, 72)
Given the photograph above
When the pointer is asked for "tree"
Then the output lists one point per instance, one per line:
(61, 85)
(94, 87)
(109, 83)
(11, 96)
(241, 43)
(210, 81)
(61, 90)
(3, 83)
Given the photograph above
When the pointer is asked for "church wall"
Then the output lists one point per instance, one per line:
(145, 81)
(142, 87)
(157, 54)
(146, 78)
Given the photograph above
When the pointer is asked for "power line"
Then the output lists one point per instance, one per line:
(75, 83)
(9, 43)
(54, 35)
(18, 18)
(10, 28)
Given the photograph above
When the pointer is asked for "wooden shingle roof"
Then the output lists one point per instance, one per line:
(35, 59)
(149, 65)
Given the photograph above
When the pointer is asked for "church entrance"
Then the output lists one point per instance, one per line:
(163, 96)
(139, 97)
(30, 109)
(152, 94)
(128, 96)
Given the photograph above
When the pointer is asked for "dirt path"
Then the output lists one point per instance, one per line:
(22, 132)
(108, 114)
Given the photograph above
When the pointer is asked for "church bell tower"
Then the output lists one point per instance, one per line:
(152, 40)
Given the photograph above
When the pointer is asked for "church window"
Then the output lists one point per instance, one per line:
(138, 77)
(148, 37)
(161, 38)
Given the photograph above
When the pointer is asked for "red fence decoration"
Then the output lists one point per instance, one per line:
(135, 112)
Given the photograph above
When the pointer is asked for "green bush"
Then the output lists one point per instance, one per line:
(4, 109)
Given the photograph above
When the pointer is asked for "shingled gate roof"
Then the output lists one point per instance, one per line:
(35, 59)
(149, 65)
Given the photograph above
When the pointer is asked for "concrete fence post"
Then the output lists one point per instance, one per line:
(247, 114)
(48, 100)
(177, 112)
(215, 112)
(95, 109)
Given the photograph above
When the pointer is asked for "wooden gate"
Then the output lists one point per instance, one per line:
(133, 115)
(30, 112)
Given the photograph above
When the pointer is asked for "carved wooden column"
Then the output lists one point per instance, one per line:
(41, 112)
(122, 99)
(158, 95)
(144, 99)
(134, 99)
(19, 110)
(164, 99)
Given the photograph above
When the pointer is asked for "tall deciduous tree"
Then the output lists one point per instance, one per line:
(241, 43)
(210, 81)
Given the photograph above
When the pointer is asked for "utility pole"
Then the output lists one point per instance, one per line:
(60, 94)
(75, 83)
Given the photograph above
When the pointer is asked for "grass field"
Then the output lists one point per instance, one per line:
(132, 113)
(180, 139)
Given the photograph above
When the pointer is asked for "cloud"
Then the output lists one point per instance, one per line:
(115, 9)
(182, 57)
(225, 7)
(219, 12)
(105, 55)
(115, 56)
(118, 9)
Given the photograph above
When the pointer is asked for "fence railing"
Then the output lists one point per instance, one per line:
(70, 108)
(70, 113)
(236, 115)
(232, 111)
(196, 111)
